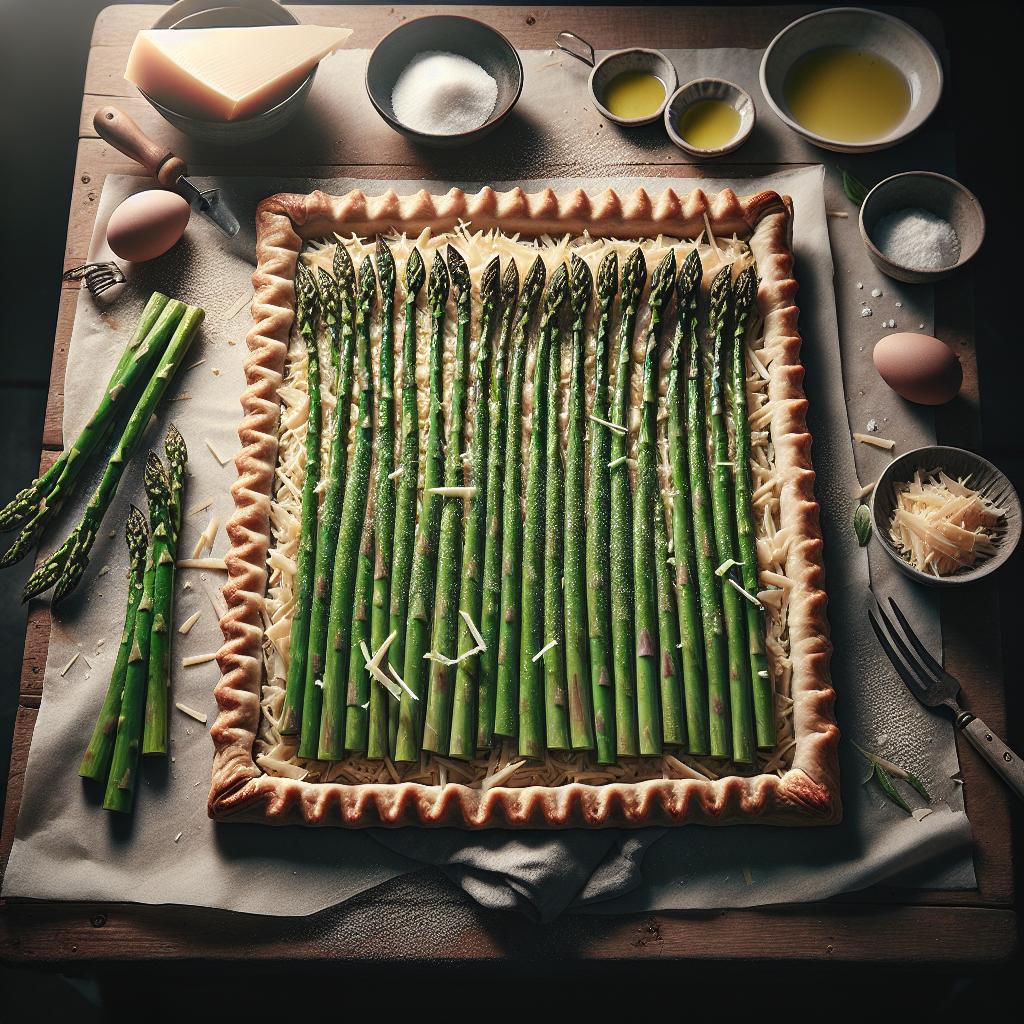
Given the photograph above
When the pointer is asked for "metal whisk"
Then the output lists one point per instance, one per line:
(98, 277)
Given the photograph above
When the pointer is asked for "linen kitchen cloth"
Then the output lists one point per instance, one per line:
(66, 847)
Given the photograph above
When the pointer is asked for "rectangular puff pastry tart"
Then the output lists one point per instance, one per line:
(525, 529)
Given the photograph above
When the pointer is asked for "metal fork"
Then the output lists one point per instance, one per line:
(98, 276)
(933, 686)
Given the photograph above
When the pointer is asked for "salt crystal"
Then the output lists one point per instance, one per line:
(899, 305)
(444, 94)
(872, 426)
(866, 311)
(876, 293)
(917, 239)
(860, 284)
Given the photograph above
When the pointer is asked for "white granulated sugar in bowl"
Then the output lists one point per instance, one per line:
(917, 239)
(444, 94)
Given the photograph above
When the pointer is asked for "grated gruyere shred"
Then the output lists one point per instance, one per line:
(277, 755)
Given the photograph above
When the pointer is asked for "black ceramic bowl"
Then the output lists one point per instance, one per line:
(451, 34)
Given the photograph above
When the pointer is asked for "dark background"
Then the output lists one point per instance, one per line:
(43, 49)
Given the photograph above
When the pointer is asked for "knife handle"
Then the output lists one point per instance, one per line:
(1002, 759)
(120, 131)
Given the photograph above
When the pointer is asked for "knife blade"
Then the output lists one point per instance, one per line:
(123, 133)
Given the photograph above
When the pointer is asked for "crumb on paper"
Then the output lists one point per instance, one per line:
(104, 571)
(178, 836)
(860, 284)
(876, 293)
(215, 371)
(872, 426)
(866, 311)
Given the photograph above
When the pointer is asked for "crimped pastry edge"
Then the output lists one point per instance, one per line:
(808, 794)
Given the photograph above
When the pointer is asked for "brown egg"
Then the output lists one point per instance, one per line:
(919, 368)
(147, 224)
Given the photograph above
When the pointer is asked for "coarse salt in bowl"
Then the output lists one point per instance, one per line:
(444, 94)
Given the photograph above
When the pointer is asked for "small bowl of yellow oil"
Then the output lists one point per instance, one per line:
(709, 117)
(629, 87)
(851, 80)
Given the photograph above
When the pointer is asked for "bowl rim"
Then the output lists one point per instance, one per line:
(958, 186)
(899, 133)
(734, 143)
(496, 115)
(881, 530)
(632, 122)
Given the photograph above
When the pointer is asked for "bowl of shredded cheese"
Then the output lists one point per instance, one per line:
(945, 515)
(920, 226)
(444, 80)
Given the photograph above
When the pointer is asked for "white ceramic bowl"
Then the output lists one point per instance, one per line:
(858, 27)
(710, 89)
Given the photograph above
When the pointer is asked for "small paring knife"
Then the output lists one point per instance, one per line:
(120, 131)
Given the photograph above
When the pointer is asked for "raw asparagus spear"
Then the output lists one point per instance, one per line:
(744, 294)
(96, 762)
(634, 276)
(531, 672)
(490, 607)
(358, 694)
(556, 698)
(715, 650)
(444, 634)
(165, 554)
(333, 728)
(648, 508)
(405, 502)
(384, 499)
(35, 506)
(577, 663)
(506, 703)
(307, 319)
(66, 566)
(462, 741)
(424, 566)
(725, 539)
(602, 680)
(337, 301)
(124, 764)
(690, 628)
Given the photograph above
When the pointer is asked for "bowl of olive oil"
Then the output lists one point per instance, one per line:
(709, 117)
(851, 80)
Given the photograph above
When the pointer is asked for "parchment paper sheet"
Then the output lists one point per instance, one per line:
(68, 848)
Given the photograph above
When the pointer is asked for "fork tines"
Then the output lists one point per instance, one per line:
(925, 677)
(98, 277)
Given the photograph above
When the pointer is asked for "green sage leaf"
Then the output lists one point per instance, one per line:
(862, 524)
(889, 789)
(855, 191)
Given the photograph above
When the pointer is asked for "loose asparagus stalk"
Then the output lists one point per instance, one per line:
(358, 694)
(577, 663)
(337, 302)
(725, 540)
(124, 763)
(634, 276)
(531, 672)
(715, 652)
(462, 741)
(96, 762)
(438, 718)
(556, 697)
(602, 685)
(506, 703)
(405, 503)
(659, 706)
(490, 608)
(384, 499)
(165, 554)
(35, 505)
(307, 319)
(333, 727)
(690, 628)
(744, 294)
(66, 566)
(424, 567)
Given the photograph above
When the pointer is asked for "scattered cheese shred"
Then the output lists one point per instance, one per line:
(453, 492)
(875, 442)
(544, 650)
(187, 625)
(941, 525)
(199, 716)
(862, 492)
(613, 427)
(201, 507)
(473, 632)
(74, 657)
(198, 659)
(178, 836)
(217, 564)
(216, 454)
(504, 775)
(206, 538)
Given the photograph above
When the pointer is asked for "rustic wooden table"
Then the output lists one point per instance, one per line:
(421, 915)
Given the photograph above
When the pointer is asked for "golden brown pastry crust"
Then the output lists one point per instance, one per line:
(807, 794)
